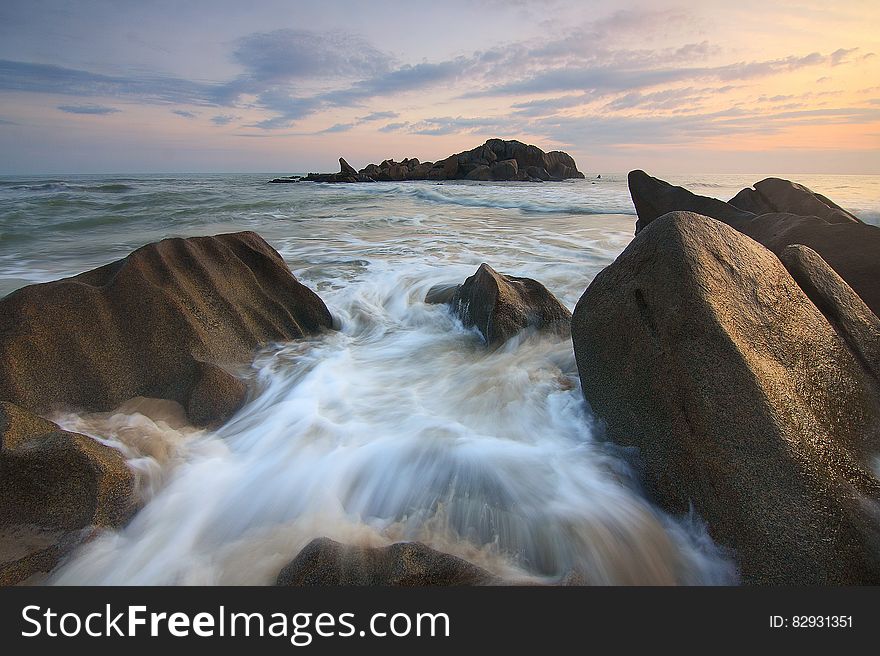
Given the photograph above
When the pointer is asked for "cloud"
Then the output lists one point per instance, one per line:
(338, 127)
(839, 56)
(378, 116)
(395, 127)
(690, 128)
(223, 119)
(98, 110)
(286, 54)
(445, 125)
(547, 106)
(184, 113)
(44, 78)
(629, 76)
(3, 121)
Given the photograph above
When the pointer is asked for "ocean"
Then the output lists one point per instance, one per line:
(401, 425)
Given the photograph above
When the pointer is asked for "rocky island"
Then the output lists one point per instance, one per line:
(495, 160)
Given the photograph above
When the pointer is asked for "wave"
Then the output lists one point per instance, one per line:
(60, 185)
(528, 206)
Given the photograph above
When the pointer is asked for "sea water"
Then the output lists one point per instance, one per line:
(400, 425)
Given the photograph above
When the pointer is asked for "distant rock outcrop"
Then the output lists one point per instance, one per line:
(326, 562)
(753, 398)
(796, 216)
(168, 321)
(495, 160)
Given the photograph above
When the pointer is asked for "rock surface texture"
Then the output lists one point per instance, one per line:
(500, 306)
(55, 486)
(745, 400)
(169, 321)
(849, 246)
(326, 562)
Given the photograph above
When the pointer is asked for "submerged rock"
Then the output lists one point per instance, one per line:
(501, 306)
(326, 562)
(849, 246)
(165, 322)
(698, 347)
(54, 487)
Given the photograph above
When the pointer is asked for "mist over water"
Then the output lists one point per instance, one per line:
(399, 426)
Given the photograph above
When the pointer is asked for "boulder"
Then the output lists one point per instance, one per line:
(441, 294)
(504, 170)
(54, 486)
(538, 173)
(371, 170)
(481, 173)
(776, 195)
(326, 562)
(850, 247)
(500, 306)
(170, 321)
(698, 347)
(346, 169)
(653, 198)
(857, 326)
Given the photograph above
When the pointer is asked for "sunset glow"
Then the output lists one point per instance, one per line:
(288, 86)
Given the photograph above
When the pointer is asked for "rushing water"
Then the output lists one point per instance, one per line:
(401, 424)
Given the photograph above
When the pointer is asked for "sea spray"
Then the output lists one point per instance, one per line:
(400, 426)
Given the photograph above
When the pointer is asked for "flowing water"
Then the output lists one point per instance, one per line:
(401, 425)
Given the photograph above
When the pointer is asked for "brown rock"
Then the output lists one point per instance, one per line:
(849, 247)
(776, 195)
(857, 326)
(698, 347)
(441, 294)
(165, 322)
(326, 562)
(501, 306)
(53, 485)
(345, 168)
(504, 170)
(481, 173)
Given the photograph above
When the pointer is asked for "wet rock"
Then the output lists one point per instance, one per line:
(168, 321)
(698, 347)
(326, 562)
(441, 294)
(55, 487)
(850, 247)
(500, 306)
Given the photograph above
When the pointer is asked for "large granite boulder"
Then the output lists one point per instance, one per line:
(55, 486)
(745, 402)
(500, 306)
(849, 246)
(169, 321)
(326, 562)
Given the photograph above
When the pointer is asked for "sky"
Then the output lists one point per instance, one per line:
(287, 86)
